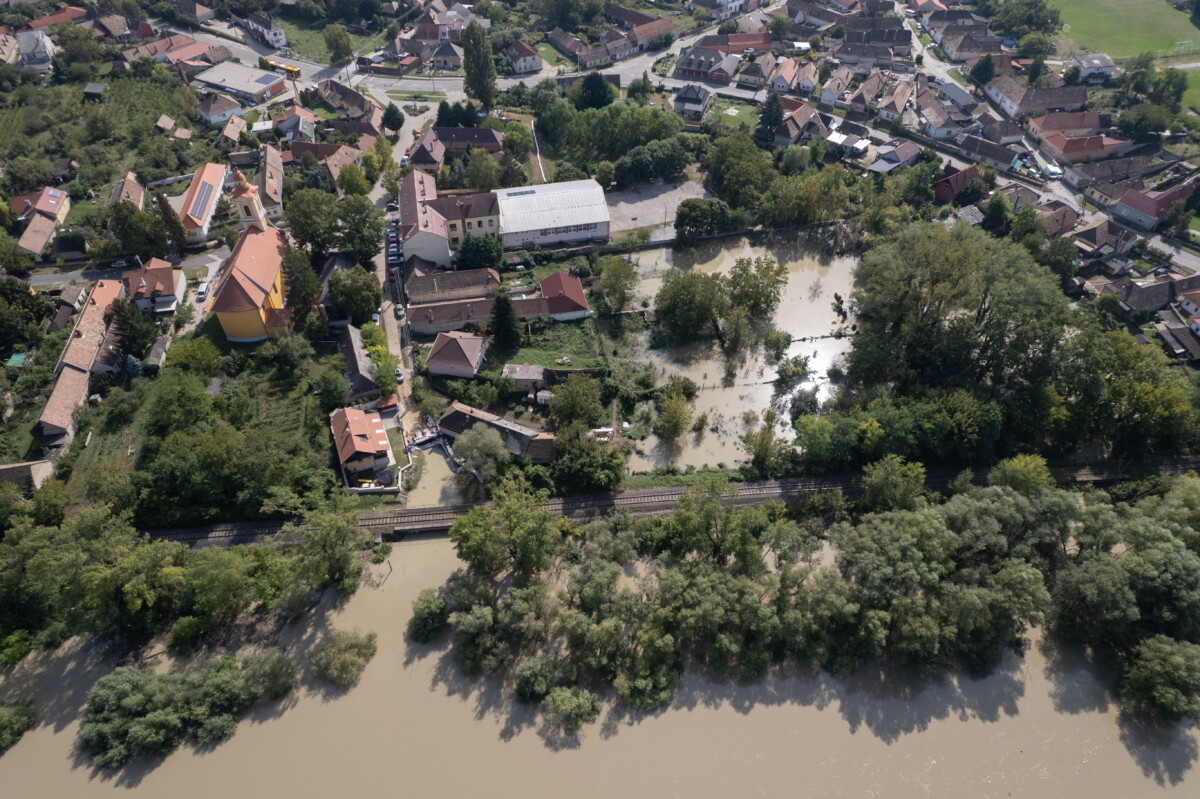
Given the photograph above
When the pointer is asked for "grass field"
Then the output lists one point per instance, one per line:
(746, 113)
(549, 54)
(575, 339)
(1123, 28)
(309, 42)
(1191, 98)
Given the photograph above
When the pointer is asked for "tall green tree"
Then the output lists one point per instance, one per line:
(984, 70)
(617, 279)
(135, 328)
(330, 543)
(770, 117)
(592, 92)
(393, 117)
(359, 226)
(176, 232)
(577, 399)
(303, 285)
(312, 220)
(352, 181)
(483, 174)
(504, 326)
(480, 252)
(338, 42)
(478, 66)
(483, 451)
(690, 305)
(356, 293)
(515, 532)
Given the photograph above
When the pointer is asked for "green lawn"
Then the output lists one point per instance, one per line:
(746, 116)
(1123, 28)
(549, 54)
(578, 340)
(1191, 98)
(421, 97)
(308, 40)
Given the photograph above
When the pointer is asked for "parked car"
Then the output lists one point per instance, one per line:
(407, 151)
(392, 207)
(202, 292)
(399, 309)
(404, 160)
(399, 375)
(375, 317)
(121, 264)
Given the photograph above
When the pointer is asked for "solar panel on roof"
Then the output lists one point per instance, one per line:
(266, 80)
(201, 201)
(522, 193)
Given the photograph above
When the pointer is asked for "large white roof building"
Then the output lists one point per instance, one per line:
(553, 213)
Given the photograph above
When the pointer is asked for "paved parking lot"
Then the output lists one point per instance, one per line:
(650, 205)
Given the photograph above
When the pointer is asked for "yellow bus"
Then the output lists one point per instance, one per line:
(284, 69)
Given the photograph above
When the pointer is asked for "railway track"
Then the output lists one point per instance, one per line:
(641, 502)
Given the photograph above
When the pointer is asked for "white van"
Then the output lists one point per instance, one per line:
(202, 293)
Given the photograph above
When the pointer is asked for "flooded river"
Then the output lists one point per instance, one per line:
(437, 485)
(1040, 727)
(805, 312)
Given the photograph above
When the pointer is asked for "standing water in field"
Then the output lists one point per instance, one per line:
(806, 312)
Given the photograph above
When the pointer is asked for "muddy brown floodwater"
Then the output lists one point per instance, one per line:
(805, 312)
(1041, 726)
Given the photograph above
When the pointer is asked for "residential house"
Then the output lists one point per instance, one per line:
(867, 91)
(1058, 217)
(351, 102)
(68, 14)
(896, 154)
(446, 56)
(36, 50)
(864, 55)
(79, 359)
(527, 378)
(360, 382)
(39, 215)
(269, 181)
(159, 48)
(937, 123)
(266, 30)
(585, 56)
(519, 440)
(1071, 125)
(217, 108)
(1150, 293)
(10, 49)
(113, 26)
(953, 180)
(1001, 131)
(836, 86)
(1080, 176)
(807, 78)
(565, 300)
(783, 79)
(253, 84)
(692, 102)
(27, 476)
(467, 215)
(442, 317)
(648, 33)
(571, 212)
(1095, 67)
(362, 443)
(895, 99)
(458, 285)
(958, 97)
(194, 12)
(1146, 209)
(710, 66)
(156, 287)
(231, 133)
(1018, 197)
(1071, 150)
(1103, 238)
(1106, 195)
(735, 43)
(422, 229)
(812, 15)
(200, 200)
(456, 354)
(979, 149)
(1017, 101)
(964, 46)
(758, 72)
(718, 10)
(128, 189)
(295, 124)
(523, 58)
(436, 144)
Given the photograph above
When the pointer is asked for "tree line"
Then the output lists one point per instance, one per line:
(941, 583)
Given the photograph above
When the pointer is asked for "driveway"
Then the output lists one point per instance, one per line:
(650, 205)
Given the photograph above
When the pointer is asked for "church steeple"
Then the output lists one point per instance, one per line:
(249, 207)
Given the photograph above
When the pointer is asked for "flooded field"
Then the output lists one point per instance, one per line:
(1041, 726)
(806, 312)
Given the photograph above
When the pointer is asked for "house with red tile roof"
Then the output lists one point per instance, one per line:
(362, 443)
(1074, 149)
(68, 14)
(1145, 209)
(564, 296)
(249, 298)
(80, 358)
(952, 182)
(200, 201)
(156, 287)
(523, 58)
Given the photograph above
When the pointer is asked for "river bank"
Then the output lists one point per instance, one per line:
(1042, 725)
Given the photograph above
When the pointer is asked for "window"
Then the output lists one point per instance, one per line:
(454, 226)
(454, 241)
(468, 224)
(491, 223)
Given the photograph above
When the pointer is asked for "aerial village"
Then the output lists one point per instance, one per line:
(266, 263)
